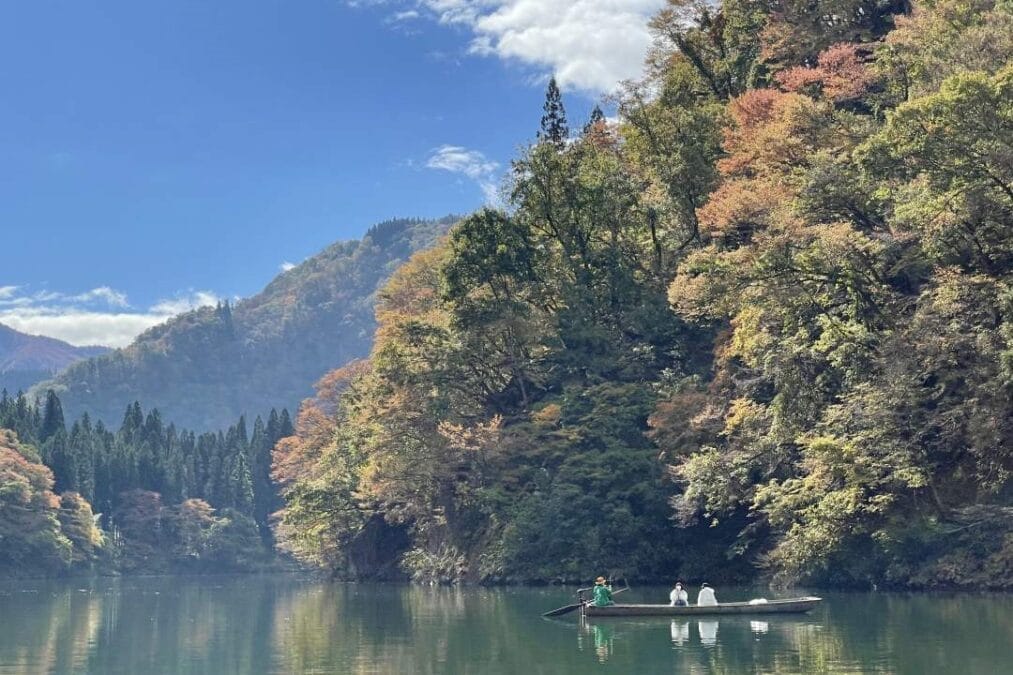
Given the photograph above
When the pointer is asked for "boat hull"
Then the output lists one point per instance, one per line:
(792, 606)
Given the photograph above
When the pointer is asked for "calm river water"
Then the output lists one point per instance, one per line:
(287, 624)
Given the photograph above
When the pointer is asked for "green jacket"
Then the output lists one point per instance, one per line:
(601, 596)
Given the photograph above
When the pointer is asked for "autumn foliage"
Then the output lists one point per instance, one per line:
(760, 328)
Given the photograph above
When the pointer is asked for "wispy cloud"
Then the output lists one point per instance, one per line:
(286, 266)
(103, 294)
(590, 45)
(470, 163)
(100, 316)
(184, 302)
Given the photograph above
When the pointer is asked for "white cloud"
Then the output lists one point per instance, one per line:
(471, 163)
(95, 317)
(80, 327)
(590, 45)
(184, 303)
(458, 11)
(286, 266)
(103, 293)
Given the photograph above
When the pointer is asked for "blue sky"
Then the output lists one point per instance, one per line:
(164, 153)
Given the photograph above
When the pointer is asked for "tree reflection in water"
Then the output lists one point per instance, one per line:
(276, 625)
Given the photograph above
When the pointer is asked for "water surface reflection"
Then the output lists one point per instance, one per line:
(296, 625)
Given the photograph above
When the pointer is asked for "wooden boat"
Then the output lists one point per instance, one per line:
(788, 606)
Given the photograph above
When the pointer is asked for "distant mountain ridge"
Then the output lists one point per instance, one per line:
(27, 359)
(204, 368)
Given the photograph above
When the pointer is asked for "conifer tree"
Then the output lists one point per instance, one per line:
(52, 417)
(260, 467)
(597, 117)
(285, 427)
(554, 128)
(272, 424)
(133, 421)
(61, 459)
(241, 485)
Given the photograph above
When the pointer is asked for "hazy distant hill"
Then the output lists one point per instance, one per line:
(204, 368)
(27, 359)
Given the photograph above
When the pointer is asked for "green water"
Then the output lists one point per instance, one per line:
(294, 625)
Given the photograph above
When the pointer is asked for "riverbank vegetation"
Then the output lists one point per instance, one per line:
(167, 499)
(762, 325)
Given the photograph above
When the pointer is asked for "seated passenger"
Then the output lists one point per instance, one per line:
(706, 597)
(678, 597)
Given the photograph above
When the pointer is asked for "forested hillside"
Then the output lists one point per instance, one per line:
(28, 359)
(763, 326)
(164, 498)
(205, 368)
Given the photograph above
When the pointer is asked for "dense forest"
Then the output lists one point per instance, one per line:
(205, 368)
(168, 499)
(760, 326)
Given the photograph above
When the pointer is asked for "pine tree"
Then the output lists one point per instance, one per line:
(133, 420)
(223, 311)
(52, 417)
(597, 117)
(241, 435)
(554, 128)
(285, 427)
(241, 485)
(272, 425)
(82, 440)
(62, 460)
(260, 468)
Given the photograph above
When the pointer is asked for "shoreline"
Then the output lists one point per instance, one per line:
(311, 575)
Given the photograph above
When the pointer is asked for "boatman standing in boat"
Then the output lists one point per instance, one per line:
(601, 594)
(705, 598)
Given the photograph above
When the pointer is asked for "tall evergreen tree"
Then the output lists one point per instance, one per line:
(597, 117)
(285, 427)
(260, 469)
(554, 127)
(52, 417)
(82, 440)
(133, 421)
(240, 485)
(62, 460)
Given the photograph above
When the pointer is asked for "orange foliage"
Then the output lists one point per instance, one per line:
(295, 457)
(741, 205)
(769, 133)
(25, 483)
(840, 74)
(755, 107)
(600, 136)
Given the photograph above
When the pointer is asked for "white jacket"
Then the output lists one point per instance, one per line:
(680, 594)
(706, 597)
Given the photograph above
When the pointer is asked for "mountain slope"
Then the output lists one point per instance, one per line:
(27, 359)
(205, 367)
